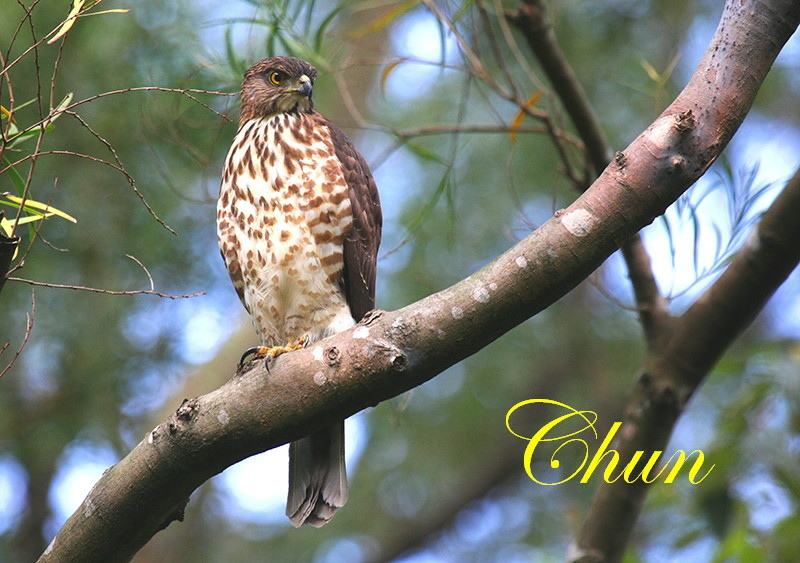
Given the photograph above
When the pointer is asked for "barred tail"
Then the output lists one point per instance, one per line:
(317, 477)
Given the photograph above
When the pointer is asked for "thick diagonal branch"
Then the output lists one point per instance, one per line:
(670, 376)
(392, 352)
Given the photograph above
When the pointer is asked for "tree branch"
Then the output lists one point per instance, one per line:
(532, 20)
(391, 352)
(616, 508)
(670, 376)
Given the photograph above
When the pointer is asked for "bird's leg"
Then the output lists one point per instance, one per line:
(272, 352)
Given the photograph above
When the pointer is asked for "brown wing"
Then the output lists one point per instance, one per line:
(361, 245)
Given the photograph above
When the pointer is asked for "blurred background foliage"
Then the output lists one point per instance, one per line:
(435, 475)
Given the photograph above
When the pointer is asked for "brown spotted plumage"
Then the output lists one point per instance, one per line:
(299, 224)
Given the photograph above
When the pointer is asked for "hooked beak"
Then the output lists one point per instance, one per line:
(305, 86)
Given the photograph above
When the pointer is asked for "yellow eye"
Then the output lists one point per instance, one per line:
(276, 78)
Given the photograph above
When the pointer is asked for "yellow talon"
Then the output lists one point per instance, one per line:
(272, 352)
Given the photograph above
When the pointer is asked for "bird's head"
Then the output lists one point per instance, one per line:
(277, 85)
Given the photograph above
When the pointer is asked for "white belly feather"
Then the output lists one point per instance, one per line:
(281, 221)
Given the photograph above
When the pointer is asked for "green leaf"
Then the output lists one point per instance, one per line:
(385, 20)
(59, 109)
(424, 153)
(32, 206)
(30, 134)
(69, 21)
(112, 11)
(78, 7)
(6, 226)
(16, 177)
(388, 69)
(441, 189)
(319, 36)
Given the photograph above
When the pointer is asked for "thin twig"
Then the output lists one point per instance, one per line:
(38, 43)
(183, 91)
(107, 291)
(39, 137)
(118, 167)
(28, 328)
(146, 271)
(69, 110)
(476, 67)
(495, 47)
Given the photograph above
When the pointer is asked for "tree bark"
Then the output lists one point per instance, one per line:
(391, 352)
(671, 374)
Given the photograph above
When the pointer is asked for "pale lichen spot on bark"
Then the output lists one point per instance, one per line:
(576, 553)
(480, 294)
(88, 507)
(320, 378)
(361, 332)
(317, 353)
(457, 312)
(521, 261)
(579, 222)
(223, 417)
(753, 242)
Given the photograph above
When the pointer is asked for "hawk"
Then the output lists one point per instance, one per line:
(299, 224)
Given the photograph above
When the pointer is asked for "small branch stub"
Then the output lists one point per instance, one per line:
(400, 363)
(332, 355)
(685, 122)
(187, 410)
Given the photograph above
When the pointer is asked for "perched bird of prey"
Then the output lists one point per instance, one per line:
(299, 224)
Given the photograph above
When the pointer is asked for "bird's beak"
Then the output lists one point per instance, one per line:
(305, 86)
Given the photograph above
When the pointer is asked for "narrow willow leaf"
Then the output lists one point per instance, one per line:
(14, 140)
(520, 117)
(32, 218)
(7, 227)
(62, 106)
(385, 20)
(652, 73)
(29, 203)
(113, 11)
(319, 36)
(429, 206)
(67, 24)
(388, 69)
(16, 177)
(424, 153)
(74, 14)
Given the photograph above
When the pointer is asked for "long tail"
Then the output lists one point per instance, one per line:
(317, 477)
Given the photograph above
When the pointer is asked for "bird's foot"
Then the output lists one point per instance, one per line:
(272, 352)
